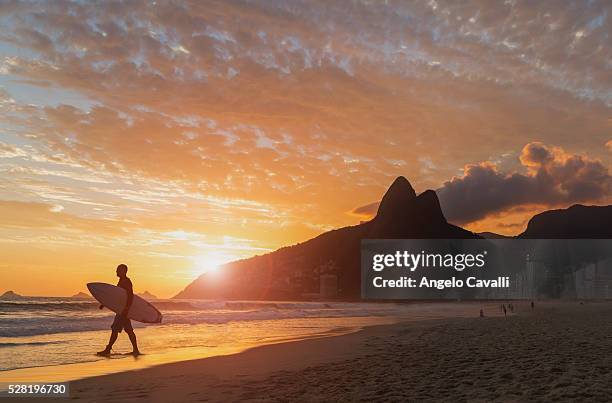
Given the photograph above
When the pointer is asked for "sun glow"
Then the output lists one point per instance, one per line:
(210, 262)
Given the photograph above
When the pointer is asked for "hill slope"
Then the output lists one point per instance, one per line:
(293, 271)
(575, 222)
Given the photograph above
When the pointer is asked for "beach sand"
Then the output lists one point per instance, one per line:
(560, 351)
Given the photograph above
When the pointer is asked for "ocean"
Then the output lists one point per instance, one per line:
(56, 338)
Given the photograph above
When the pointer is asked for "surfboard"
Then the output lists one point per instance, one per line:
(114, 298)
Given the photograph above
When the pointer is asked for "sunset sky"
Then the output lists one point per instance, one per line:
(177, 137)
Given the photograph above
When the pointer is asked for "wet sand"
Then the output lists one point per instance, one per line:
(558, 352)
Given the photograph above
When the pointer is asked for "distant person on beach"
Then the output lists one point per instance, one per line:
(504, 306)
(532, 305)
(122, 322)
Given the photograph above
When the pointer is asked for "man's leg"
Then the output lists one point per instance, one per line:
(111, 341)
(132, 336)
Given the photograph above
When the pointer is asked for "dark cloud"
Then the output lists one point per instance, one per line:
(536, 154)
(553, 178)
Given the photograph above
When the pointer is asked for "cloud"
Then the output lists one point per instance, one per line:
(41, 216)
(366, 211)
(10, 151)
(267, 120)
(302, 109)
(553, 178)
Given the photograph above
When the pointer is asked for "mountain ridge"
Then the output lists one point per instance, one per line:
(401, 214)
(293, 271)
(577, 221)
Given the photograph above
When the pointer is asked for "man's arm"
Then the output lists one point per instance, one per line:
(130, 298)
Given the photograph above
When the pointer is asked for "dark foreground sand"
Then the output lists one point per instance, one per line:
(557, 352)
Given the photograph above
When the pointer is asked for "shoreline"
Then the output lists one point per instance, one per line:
(208, 340)
(122, 362)
(253, 363)
(559, 351)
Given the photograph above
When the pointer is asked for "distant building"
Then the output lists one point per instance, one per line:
(594, 281)
(529, 279)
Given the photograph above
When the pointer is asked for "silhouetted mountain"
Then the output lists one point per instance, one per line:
(11, 296)
(398, 196)
(146, 295)
(82, 295)
(403, 214)
(575, 222)
(291, 272)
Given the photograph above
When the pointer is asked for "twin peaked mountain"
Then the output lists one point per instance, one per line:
(295, 271)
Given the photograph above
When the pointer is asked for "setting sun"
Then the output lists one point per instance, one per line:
(210, 262)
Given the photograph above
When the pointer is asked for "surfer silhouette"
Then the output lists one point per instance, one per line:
(122, 322)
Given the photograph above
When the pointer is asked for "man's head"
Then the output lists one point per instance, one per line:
(122, 270)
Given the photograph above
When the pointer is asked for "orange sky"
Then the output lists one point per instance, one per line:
(176, 138)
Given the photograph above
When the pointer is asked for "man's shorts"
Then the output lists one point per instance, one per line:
(121, 323)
